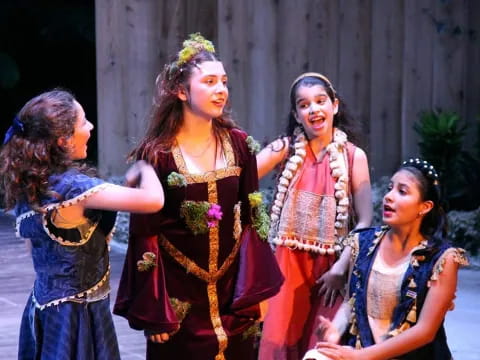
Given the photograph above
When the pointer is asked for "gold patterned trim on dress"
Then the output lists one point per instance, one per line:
(191, 267)
(237, 222)
(216, 320)
(214, 241)
(230, 170)
(79, 296)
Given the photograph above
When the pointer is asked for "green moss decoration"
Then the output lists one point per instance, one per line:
(176, 180)
(149, 261)
(181, 308)
(194, 213)
(260, 218)
(253, 330)
(253, 145)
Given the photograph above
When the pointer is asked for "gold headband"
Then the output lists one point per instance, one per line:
(314, 75)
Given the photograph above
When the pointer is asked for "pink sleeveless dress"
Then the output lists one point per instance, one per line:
(308, 216)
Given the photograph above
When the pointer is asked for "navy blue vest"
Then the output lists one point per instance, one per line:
(414, 289)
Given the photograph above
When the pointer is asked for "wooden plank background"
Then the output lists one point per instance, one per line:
(389, 60)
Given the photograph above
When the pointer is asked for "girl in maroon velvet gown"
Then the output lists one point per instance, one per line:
(196, 271)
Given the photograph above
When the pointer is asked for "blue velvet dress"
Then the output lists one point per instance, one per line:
(67, 315)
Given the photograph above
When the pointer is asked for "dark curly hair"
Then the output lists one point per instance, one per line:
(166, 113)
(30, 157)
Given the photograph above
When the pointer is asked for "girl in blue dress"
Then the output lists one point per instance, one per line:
(67, 215)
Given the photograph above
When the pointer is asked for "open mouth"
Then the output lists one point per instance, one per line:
(317, 121)
(387, 209)
(219, 102)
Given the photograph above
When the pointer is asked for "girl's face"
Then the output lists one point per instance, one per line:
(403, 204)
(208, 92)
(315, 110)
(77, 143)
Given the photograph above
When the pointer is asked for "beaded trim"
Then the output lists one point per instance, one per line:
(458, 257)
(78, 296)
(62, 241)
(339, 168)
(59, 205)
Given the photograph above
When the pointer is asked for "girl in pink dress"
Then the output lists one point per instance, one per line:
(324, 180)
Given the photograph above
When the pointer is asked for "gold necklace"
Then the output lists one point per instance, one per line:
(203, 151)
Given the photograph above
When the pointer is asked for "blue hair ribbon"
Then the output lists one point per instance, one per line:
(17, 128)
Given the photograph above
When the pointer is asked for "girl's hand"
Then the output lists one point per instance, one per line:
(338, 352)
(158, 338)
(331, 284)
(327, 331)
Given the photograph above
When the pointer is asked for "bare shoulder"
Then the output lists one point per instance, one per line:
(359, 155)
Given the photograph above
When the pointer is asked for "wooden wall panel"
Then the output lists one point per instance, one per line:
(472, 74)
(111, 79)
(293, 44)
(417, 70)
(386, 86)
(449, 52)
(263, 74)
(233, 25)
(389, 60)
(353, 82)
(323, 38)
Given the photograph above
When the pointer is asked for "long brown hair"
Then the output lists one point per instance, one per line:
(32, 155)
(166, 113)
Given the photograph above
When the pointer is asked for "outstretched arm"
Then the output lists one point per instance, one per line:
(146, 197)
(271, 155)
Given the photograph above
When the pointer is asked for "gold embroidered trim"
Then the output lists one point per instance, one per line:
(216, 320)
(213, 234)
(191, 267)
(213, 273)
(78, 296)
(230, 170)
(214, 241)
(237, 224)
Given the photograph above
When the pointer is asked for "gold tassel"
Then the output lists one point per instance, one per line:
(358, 343)
(354, 329)
(412, 284)
(404, 327)
(412, 314)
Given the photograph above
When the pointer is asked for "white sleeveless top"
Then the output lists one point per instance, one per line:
(383, 294)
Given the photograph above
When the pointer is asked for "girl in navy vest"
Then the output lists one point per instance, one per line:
(404, 278)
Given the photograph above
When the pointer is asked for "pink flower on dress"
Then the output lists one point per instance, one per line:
(214, 214)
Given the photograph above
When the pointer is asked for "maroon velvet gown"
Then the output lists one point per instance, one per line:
(217, 279)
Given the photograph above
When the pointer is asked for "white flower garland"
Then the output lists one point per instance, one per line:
(339, 167)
